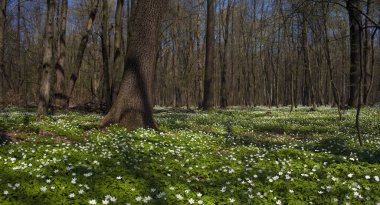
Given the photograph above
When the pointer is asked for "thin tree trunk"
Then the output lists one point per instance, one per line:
(60, 96)
(81, 49)
(335, 90)
(4, 76)
(354, 21)
(208, 94)
(368, 75)
(223, 84)
(118, 46)
(199, 60)
(46, 69)
(133, 107)
(107, 95)
(309, 90)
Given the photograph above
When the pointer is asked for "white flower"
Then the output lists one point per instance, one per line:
(72, 195)
(200, 202)
(6, 192)
(118, 177)
(179, 196)
(350, 175)
(278, 202)
(138, 198)
(93, 201)
(43, 188)
(105, 201)
(376, 178)
(147, 199)
(81, 191)
(232, 200)
(87, 174)
(199, 194)
(367, 177)
(191, 201)
(113, 199)
(291, 191)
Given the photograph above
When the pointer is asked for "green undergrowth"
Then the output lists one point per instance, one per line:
(235, 156)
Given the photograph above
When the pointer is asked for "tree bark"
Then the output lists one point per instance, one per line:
(223, 84)
(355, 20)
(3, 73)
(81, 49)
(309, 89)
(60, 96)
(208, 94)
(199, 77)
(46, 69)
(368, 74)
(133, 107)
(118, 46)
(107, 96)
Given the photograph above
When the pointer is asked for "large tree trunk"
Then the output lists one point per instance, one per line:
(81, 49)
(60, 96)
(133, 107)
(208, 94)
(46, 69)
(107, 96)
(355, 20)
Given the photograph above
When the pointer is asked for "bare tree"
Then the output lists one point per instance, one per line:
(208, 93)
(223, 84)
(81, 49)
(46, 68)
(59, 95)
(355, 20)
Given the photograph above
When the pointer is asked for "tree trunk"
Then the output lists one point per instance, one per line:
(208, 94)
(133, 107)
(368, 75)
(107, 96)
(199, 60)
(223, 84)
(355, 41)
(81, 49)
(60, 96)
(4, 77)
(46, 70)
(118, 46)
(336, 94)
(309, 89)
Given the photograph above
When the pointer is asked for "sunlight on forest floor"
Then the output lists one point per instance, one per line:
(235, 156)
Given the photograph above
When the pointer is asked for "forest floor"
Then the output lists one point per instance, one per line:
(235, 156)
